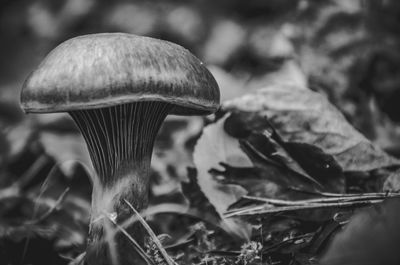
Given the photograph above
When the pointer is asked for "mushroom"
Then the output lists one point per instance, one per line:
(119, 88)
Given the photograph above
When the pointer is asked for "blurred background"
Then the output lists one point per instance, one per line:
(347, 50)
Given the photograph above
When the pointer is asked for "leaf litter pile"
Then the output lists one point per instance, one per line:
(276, 175)
(279, 175)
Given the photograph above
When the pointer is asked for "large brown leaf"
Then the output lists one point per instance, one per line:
(308, 162)
(303, 116)
(213, 147)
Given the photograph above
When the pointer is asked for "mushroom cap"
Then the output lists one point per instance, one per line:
(108, 69)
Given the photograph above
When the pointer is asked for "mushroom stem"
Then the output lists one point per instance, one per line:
(120, 140)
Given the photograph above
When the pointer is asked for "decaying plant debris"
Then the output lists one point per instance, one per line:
(300, 165)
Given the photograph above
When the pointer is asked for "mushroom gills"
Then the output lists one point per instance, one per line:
(120, 140)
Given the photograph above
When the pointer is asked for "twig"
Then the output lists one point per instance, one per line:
(330, 194)
(36, 207)
(179, 244)
(339, 198)
(284, 205)
(285, 241)
(79, 260)
(15, 188)
(52, 209)
(32, 171)
(152, 235)
(258, 210)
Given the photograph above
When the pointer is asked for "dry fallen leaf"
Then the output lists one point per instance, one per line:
(213, 147)
(309, 163)
(304, 116)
